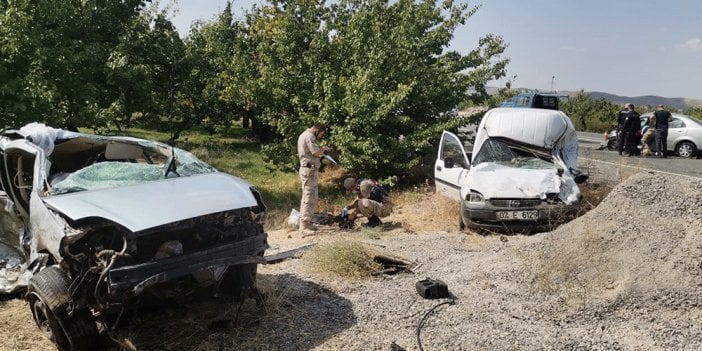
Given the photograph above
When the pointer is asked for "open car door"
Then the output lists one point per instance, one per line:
(16, 183)
(451, 166)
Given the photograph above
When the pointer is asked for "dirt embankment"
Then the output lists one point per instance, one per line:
(625, 276)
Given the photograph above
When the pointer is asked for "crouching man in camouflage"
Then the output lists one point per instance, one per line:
(372, 200)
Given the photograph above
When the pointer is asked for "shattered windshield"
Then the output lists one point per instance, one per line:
(109, 174)
(512, 155)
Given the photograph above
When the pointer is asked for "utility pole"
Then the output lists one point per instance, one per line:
(552, 79)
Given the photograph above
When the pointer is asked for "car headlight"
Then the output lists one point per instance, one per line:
(475, 196)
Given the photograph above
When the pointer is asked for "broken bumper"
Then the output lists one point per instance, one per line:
(549, 217)
(136, 278)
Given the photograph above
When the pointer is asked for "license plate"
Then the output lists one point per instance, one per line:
(517, 215)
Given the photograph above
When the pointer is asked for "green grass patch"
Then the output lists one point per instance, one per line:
(345, 258)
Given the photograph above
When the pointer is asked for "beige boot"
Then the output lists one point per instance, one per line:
(306, 228)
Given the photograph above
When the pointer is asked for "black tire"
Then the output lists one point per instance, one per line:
(686, 149)
(239, 280)
(48, 298)
(461, 224)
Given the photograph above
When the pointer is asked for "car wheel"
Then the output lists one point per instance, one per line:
(239, 280)
(461, 224)
(48, 297)
(686, 149)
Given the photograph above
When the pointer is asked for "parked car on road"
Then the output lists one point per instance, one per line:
(89, 223)
(521, 175)
(684, 136)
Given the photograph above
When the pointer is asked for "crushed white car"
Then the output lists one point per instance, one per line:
(521, 175)
(88, 223)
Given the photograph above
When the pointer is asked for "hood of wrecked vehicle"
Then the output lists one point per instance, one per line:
(147, 205)
(497, 181)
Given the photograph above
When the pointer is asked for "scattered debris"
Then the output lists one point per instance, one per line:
(281, 256)
(392, 265)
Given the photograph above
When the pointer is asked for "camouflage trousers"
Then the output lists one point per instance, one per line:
(370, 208)
(645, 150)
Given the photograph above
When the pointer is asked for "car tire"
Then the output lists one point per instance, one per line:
(686, 149)
(239, 280)
(48, 297)
(461, 224)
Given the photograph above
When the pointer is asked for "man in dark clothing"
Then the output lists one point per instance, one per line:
(662, 119)
(621, 121)
(631, 126)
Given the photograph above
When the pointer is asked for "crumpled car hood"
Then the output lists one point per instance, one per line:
(147, 205)
(497, 181)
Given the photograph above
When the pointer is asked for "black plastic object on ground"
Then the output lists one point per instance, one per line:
(432, 289)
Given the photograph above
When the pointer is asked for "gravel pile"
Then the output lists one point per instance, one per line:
(625, 276)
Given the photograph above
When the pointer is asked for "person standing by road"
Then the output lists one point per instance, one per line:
(632, 125)
(309, 153)
(662, 119)
(621, 121)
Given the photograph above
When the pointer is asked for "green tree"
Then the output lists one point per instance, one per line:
(53, 58)
(590, 115)
(694, 111)
(211, 47)
(376, 73)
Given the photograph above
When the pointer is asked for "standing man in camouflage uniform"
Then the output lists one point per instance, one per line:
(309, 153)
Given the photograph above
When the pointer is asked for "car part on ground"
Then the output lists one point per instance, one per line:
(90, 223)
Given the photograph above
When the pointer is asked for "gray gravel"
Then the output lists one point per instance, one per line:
(625, 276)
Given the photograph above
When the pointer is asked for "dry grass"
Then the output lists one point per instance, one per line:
(17, 329)
(593, 194)
(345, 258)
(423, 210)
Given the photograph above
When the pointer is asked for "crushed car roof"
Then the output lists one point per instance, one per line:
(541, 128)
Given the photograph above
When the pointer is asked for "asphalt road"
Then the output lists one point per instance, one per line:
(612, 167)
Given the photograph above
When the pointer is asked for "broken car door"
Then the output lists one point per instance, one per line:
(451, 166)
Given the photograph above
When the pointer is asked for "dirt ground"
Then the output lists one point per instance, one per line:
(605, 281)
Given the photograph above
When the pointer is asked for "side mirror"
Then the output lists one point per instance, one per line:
(448, 162)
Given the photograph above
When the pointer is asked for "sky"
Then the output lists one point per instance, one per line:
(625, 47)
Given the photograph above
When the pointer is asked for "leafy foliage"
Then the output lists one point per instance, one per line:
(374, 72)
(589, 114)
(377, 73)
(694, 111)
(53, 58)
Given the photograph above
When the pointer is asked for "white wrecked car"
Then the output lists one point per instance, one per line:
(88, 223)
(521, 175)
